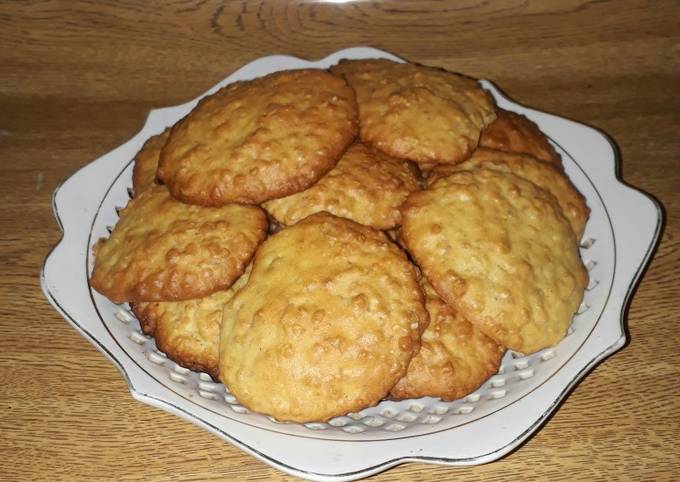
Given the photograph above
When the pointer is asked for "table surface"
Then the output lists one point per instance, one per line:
(78, 78)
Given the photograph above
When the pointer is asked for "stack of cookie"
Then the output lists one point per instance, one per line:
(321, 240)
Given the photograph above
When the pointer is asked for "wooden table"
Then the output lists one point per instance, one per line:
(78, 78)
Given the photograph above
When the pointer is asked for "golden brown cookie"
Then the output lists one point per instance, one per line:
(498, 249)
(365, 186)
(163, 250)
(513, 132)
(455, 357)
(260, 139)
(415, 112)
(542, 174)
(188, 332)
(393, 234)
(327, 324)
(146, 162)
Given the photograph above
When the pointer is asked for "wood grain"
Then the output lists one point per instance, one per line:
(78, 78)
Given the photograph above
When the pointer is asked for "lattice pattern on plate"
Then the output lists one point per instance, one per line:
(388, 415)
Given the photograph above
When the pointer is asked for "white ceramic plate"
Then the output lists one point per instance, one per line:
(508, 408)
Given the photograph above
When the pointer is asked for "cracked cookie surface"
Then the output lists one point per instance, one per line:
(544, 175)
(512, 132)
(188, 332)
(146, 162)
(164, 250)
(328, 322)
(365, 186)
(260, 139)
(455, 357)
(424, 114)
(498, 249)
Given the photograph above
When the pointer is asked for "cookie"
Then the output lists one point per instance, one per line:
(414, 112)
(455, 357)
(164, 250)
(498, 249)
(513, 132)
(542, 174)
(260, 139)
(188, 332)
(146, 162)
(365, 186)
(328, 322)
(393, 234)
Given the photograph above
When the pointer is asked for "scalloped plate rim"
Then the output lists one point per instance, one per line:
(498, 452)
